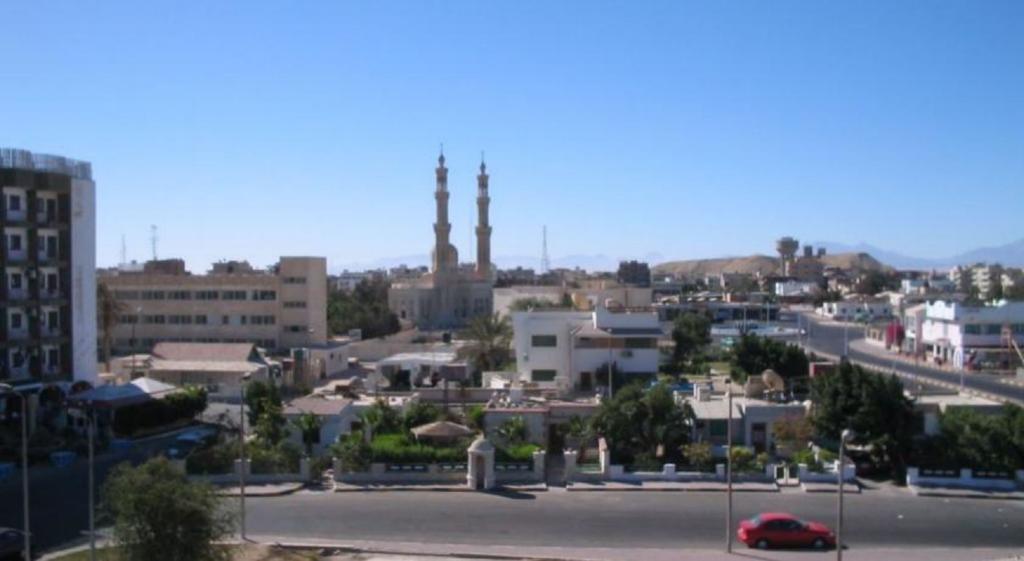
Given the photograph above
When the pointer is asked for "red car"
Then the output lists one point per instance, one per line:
(778, 529)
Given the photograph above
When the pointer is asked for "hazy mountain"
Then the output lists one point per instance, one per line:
(594, 262)
(1010, 255)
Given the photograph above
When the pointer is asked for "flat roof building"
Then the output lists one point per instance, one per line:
(48, 260)
(280, 308)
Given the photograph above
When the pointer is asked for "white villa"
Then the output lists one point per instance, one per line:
(963, 335)
(565, 350)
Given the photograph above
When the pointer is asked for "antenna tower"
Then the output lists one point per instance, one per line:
(545, 261)
(152, 239)
(124, 250)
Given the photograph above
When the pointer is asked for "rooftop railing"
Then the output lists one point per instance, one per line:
(24, 159)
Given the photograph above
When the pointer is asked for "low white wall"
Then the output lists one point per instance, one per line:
(378, 473)
(302, 476)
(805, 475)
(966, 480)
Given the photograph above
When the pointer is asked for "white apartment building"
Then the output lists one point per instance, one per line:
(282, 308)
(796, 289)
(565, 350)
(856, 309)
(48, 266)
(927, 285)
(961, 335)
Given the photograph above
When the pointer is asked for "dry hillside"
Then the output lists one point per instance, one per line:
(763, 264)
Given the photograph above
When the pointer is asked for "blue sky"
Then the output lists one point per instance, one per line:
(255, 129)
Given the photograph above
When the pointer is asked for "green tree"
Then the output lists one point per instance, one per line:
(535, 303)
(475, 417)
(381, 418)
(110, 310)
(742, 459)
(581, 433)
(513, 431)
(753, 354)
(259, 396)
(309, 425)
(490, 337)
(421, 413)
(691, 332)
(365, 308)
(159, 514)
(872, 405)
(271, 426)
(643, 423)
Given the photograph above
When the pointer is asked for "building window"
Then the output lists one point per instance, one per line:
(972, 329)
(16, 321)
(200, 320)
(264, 295)
(544, 341)
(153, 295)
(543, 375)
(225, 320)
(294, 280)
(233, 295)
(14, 242)
(641, 343)
(295, 328)
(179, 295)
(207, 295)
(16, 281)
(993, 329)
(126, 294)
(718, 427)
(295, 304)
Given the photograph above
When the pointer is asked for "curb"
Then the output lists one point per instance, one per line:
(424, 489)
(278, 493)
(966, 494)
(640, 488)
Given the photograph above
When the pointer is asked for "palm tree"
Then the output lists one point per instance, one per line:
(490, 336)
(309, 426)
(110, 310)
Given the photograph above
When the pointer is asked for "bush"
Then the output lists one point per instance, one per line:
(282, 458)
(420, 413)
(398, 449)
(742, 459)
(698, 455)
(353, 453)
(217, 459)
(475, 417)
(518, 453)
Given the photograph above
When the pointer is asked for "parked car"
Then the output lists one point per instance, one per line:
(191, 440)
(12, 543)
(778, 529)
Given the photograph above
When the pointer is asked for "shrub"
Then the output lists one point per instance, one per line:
(398, 449)
(742, 459)
(475, 417)
(353, 453)
(282, 458)
(698, 455)
(420, 413)
(518, 453)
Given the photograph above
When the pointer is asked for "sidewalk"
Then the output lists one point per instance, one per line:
(691, 486)
(263, 490)
(409, 551)
(833, 488)
(353, 488)
(957, 493)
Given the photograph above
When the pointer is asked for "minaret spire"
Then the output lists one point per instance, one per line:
(483, 224)
(443, 250)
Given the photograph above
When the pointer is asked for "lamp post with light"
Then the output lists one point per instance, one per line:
(6, 388)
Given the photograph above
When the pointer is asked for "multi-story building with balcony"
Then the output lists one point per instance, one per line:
(48, 265)
(967, 336)
(280, 308)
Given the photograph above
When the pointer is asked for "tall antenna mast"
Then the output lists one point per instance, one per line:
(545, 261)
(153, 238)
(124, 250)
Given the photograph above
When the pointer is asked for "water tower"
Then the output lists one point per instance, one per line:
(787, 248)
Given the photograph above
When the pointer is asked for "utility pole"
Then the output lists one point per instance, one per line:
(846, 434)
(728, 470)
(92, 485)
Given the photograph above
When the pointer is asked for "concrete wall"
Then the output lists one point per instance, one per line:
(378, 474)
(807, 476)
(965, 480)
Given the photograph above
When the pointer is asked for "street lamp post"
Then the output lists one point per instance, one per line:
(728, 470)
(846, 339)
(138, 318)
(241, 451)
(847, 433)
(6, 388)
(92, 485)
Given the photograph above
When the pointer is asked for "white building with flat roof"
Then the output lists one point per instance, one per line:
(567, 349)
(952, 332)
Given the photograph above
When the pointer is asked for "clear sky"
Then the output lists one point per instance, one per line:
(255, 129)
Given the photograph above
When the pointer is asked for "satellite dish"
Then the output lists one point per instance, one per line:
(773, 381)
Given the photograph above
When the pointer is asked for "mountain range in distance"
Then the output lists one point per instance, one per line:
(1008, 255)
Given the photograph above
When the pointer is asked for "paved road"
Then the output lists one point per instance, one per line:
(890, 518)
(829, 338)
(59, 497)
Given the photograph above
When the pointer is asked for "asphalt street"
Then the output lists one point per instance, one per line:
(891, 518)
(828, 338)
